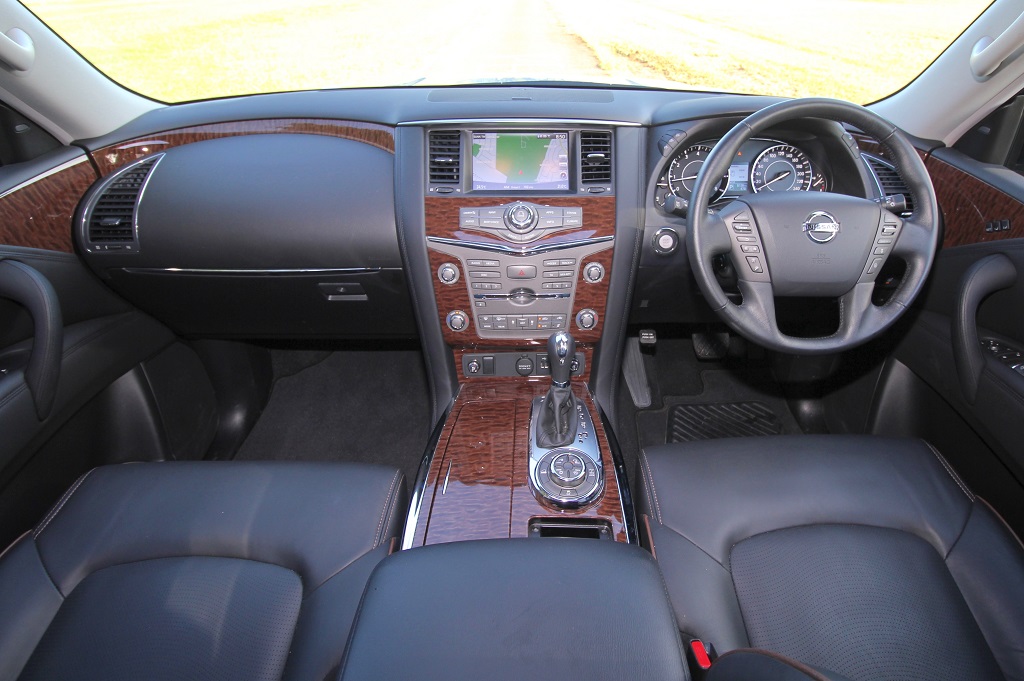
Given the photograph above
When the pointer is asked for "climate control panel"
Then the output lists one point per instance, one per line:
(521, 295)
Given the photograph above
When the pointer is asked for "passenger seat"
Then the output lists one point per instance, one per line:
(197, 570)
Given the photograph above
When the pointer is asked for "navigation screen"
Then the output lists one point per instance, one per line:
(521, 161)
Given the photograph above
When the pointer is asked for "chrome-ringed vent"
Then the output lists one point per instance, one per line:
(110, 222)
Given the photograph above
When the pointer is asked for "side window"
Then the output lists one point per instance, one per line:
(999, 138)
(21, 139)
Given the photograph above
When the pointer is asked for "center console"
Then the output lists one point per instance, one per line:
(520, 230)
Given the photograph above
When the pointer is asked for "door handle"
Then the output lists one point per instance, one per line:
(985, 277)
(28, 287)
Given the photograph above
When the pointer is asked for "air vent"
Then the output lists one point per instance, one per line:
(444, 153)
(596, 157)
(112, 214)
(889, 181)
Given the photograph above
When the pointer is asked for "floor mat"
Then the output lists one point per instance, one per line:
(690, 422)
(713, 412)
(369, 406)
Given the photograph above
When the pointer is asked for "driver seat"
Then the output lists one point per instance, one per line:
(863, 557)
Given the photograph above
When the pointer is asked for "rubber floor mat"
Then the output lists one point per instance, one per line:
(689, 422)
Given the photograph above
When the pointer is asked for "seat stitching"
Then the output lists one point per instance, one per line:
(56, 509)
(952, 473)
(392, 512)
(649, 479)
(384, 511)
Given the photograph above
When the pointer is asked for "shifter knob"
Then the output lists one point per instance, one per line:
(561, 351)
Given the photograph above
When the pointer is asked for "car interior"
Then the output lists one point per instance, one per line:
(512, 380)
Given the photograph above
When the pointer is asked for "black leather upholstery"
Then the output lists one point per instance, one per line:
(516, 609)
(867, 557)
(197, 570)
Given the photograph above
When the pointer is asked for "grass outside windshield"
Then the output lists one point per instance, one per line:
(181, 50)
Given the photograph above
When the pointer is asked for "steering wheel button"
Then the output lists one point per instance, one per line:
(750, 249)
(741, 217)
(755, 264)
(885, 240)
(880, 250)
(888, 230)
(743, 227)
(746, 239)
(875, 265)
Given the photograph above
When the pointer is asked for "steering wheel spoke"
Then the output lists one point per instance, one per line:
(759, 304)
(913, 239)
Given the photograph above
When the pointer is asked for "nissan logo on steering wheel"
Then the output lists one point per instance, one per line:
(821, 227)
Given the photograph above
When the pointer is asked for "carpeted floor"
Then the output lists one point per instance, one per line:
(365, 405)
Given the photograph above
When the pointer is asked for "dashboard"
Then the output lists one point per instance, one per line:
(503, 213)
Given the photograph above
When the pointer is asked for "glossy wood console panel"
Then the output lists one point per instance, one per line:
(110, 158)
(968, 204)
(477, 486)
(38, 213)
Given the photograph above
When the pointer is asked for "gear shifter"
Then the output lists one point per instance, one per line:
(557, 426)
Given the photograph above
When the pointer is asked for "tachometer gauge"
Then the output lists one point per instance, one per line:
(781, 168)
(682, 173)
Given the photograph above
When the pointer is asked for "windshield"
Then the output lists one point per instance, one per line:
(180, 50)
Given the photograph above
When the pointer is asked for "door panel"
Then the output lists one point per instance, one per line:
(105, 346)
(921, 392)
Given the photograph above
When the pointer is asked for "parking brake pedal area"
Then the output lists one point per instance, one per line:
(635, 374)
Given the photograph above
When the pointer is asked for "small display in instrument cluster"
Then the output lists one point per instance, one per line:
(739, 175)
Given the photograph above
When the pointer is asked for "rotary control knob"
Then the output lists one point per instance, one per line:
(594, 272)
(568, 469)
(457, 320)
(520, 218)
(448, 273)
(586, 319)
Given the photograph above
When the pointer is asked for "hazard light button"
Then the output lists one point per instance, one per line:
(521, 271)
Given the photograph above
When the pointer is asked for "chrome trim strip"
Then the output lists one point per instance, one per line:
(420, 485)
(444, 489)
(531, 250)
(520, 122)
(185, 270)
(42, 176)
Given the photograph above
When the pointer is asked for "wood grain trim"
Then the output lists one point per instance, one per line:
(40, 212)
(968, 204)
(442, 216)
(485, 441)
(110, 158)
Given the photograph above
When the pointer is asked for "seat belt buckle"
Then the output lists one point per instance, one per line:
(699, 656)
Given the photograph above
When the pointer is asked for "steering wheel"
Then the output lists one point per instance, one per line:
(811, 244)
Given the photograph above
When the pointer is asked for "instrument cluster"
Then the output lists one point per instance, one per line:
(761, 165)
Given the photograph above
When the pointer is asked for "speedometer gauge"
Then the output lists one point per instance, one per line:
(781, 168)
(682, 172)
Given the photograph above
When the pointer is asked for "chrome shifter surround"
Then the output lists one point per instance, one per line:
(545, 482)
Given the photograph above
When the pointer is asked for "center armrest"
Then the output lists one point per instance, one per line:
(516, 609)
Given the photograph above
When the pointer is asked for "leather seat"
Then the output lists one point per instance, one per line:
(201, 570)
(865, 557)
